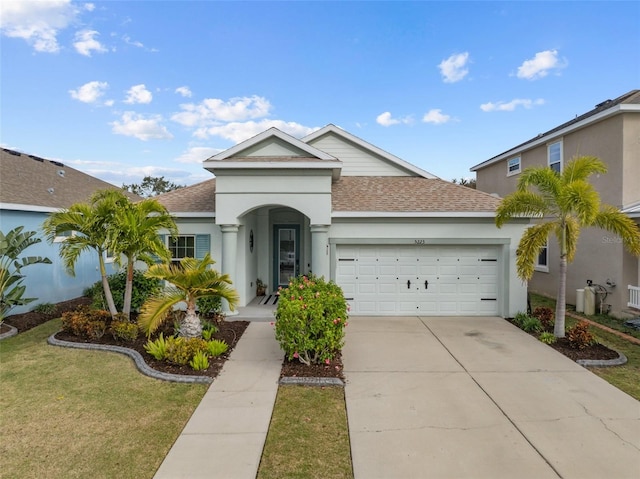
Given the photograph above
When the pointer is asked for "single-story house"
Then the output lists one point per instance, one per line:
(30, 188)
(397, 239)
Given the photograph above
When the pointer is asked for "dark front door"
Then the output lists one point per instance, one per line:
(286, 251)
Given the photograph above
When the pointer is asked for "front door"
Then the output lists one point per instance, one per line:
(286, 249)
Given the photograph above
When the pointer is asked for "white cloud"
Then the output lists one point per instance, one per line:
(86, 43)
(454, 68)
(197, 154)
(213, 110)
(89, 7)
(141, 127)
(138, 94)
(540, 65)
(135, 43)
(38, 23)
(240, 131)
(385, 119)
(184, 91)
(89, 92)
(435, 116)
(512, 105)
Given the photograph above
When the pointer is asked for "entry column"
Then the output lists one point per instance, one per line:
(229, 252)
(320, 251)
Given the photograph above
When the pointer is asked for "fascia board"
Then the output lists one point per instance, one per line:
(368, 146)
(275, 165)
(29, 208)
(188, 214)
(271, 132)
(411, 214)
(547, 138)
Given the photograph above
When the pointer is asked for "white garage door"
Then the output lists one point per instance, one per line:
(419, 279)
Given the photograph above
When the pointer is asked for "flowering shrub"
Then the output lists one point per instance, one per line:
(310, 319)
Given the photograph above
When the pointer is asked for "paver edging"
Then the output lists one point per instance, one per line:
(12, 332)
(140, 363)
(604, 363)
(303, 381)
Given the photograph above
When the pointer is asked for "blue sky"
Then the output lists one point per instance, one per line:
(125, 89)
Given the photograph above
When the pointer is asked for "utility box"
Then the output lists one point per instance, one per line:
(579, 300)
(589, 301)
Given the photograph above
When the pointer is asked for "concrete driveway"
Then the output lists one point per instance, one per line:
(478, 398)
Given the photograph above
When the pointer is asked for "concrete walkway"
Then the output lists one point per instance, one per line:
(226, 433)
(478, 398)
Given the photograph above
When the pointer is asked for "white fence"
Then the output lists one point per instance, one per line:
(634, 297)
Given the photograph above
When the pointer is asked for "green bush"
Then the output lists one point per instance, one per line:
(208, 330)
(531, 325)
(124, 330)
(216, 348)
(45, 308)
(209, 305)
(200, 361)
(520, 318)
(181, 350)
(547, 337)
(157, 348)
(85, 322)
(310, 319)
(143, 288)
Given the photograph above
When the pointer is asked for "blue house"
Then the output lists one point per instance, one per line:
(30, 189)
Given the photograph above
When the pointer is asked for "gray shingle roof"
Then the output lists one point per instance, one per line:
(198, 198)
(30, 180)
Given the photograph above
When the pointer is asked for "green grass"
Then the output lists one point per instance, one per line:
(626, 377)
(308, 436)
(76, 414)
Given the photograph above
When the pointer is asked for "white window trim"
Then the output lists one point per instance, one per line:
(514, 172)
(61, 239)
(168, 244)
(561, 154)
(543, 268)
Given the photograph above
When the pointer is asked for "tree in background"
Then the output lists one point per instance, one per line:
(11, 288)
(468, 182)
(564, 203)
(151, 186)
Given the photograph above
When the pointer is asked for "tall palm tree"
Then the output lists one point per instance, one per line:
(189, 280)
(86, 226)
(564, 202)
(134, 235)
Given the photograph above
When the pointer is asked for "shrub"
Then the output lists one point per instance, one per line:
(181, 350)
(310, 319)
(46, 308)
(531, 325)
(216, 347)
(143, 288)
(546, 317)
(580, 337)
(200, 361)
(157, 348)
(208, 330)
(520, 318)
(547, 338)
(125, 330)
(209, 305)
(85, 322)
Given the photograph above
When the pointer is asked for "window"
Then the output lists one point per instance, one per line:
(513, 166)
(182, 247)
(62, 236)
(542, 264)
(554, 155)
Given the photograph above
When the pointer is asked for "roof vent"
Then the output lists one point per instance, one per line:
(603, 103)
(50, 190)
(61, 173)
(57, 163)
(11, 152)
(37, 158)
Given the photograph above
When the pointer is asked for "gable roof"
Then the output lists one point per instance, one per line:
(331, 129)
(31, 183)
(629, 102)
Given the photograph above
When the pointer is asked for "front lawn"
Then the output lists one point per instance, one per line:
(77, 414)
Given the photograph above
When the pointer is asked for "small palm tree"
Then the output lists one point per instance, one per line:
(189, 280)
(133, 234)
(564, 202)
(87, 228)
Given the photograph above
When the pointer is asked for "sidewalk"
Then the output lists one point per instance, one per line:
(226, 433)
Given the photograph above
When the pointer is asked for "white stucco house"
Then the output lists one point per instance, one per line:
(397, 239)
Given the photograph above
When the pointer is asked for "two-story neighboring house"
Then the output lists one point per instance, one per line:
(611, 132)
(30, 189)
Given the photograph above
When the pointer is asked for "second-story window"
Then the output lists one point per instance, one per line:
(554, 155)
(513, 166)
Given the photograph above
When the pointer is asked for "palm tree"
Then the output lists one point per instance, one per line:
(134, 235)
(189, 280)
(564, 202)
(86, 226)
(11, 288)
